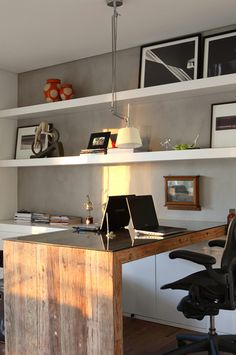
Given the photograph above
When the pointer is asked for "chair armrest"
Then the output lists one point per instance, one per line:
(198, 258)
(217, 243)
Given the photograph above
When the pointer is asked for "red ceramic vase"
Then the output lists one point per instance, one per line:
(66, 92)
(52, 90)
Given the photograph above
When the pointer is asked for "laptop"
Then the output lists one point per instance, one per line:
(118, 216)
(118, 213)
(144, 219)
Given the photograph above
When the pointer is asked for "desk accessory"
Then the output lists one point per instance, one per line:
(89, 207)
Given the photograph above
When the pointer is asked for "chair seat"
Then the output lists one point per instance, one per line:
(196, 310)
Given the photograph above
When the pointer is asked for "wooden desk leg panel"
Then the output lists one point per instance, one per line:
(61, 300)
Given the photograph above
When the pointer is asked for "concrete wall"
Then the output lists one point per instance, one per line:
(64, 189)
(8, 177)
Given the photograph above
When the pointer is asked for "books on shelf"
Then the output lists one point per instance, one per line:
(40, 217)
(64, 220)
(23, 216)
(94, 151)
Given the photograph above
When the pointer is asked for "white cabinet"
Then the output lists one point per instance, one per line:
(139, 296)
(143, 297)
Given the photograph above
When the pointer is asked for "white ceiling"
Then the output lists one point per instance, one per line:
(40, 33)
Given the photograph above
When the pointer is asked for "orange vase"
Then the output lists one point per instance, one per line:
(52, 90)
(66, 92)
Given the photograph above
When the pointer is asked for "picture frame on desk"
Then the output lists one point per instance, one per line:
(24, 139)
(170, 61)
(223, 125)
(182, 192)
(219, 54)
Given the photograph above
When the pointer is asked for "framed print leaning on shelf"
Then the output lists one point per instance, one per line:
(182, 192)
(24, 139)
(223, 125)
(169, 62)
(219, 54)
(99, 140)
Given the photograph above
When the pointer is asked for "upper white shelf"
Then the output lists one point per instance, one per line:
(224, 83)
(124, 158)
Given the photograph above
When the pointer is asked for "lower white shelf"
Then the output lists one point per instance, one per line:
(124, 158)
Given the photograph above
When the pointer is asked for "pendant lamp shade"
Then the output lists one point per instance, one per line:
(128, 137)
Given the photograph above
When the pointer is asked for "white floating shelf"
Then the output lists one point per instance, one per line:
(224, 83)
(124, 158)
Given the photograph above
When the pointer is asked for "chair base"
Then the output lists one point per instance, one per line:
(213, 343)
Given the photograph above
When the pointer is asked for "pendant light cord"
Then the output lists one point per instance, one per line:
(114, 22)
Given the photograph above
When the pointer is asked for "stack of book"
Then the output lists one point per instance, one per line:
(94, 151)
(23, 217)
(64, 220)
(40, 217)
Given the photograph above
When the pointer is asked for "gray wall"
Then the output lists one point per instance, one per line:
(64, 189)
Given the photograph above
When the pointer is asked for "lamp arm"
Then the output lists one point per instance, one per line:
(114, 51)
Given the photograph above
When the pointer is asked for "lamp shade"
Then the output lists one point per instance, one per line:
(128, 137)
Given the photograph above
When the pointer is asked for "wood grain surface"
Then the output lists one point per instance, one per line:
(68, 301)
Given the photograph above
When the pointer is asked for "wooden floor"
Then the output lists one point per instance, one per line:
(147, 338)
(144, 338)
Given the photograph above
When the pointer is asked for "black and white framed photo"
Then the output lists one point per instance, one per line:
(24, 139)
(169, 62)
(223, 125)
(99, 140)
(219, 54)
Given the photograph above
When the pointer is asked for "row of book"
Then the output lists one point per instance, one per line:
(45, 218)
(106, 151)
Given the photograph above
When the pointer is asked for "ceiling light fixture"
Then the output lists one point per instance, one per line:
(128, 137)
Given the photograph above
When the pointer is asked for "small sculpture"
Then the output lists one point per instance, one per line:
(89, 207)
(38, 146)
(167, 144)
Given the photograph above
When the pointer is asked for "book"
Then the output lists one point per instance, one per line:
(64, 220)
(94, 151)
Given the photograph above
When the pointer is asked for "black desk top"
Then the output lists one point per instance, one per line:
(97, 241)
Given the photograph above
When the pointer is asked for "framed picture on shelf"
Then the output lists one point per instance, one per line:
(169, 62)
(219, 54)
(99, 140)
(223, 125)
(182, 192)
(24, 139)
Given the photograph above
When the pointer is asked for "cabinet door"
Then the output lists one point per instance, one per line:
(138, 284)
(168, 270)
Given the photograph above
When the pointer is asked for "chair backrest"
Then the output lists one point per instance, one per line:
(230, 247)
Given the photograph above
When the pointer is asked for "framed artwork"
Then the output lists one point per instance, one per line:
(182, 192)
(219, 54)
(24, 139)
(223, 125)
(99, 140)
(169, 62)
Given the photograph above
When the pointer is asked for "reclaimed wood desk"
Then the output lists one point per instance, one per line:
(63, 290)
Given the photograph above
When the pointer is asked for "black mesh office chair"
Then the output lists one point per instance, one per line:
(209, 291)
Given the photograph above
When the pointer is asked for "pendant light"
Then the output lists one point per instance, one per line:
(127, 137)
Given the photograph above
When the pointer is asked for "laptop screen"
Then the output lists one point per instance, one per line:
(118, 213)
(142, 212)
